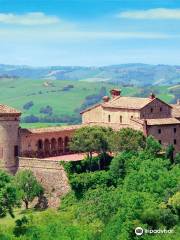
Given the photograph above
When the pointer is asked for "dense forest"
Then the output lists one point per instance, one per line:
(131, 182)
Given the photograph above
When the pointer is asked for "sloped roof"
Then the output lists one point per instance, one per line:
(89, 108)
(134, 103)
(157, 121)
(176, 110)
(128, 102)
(162, 121)
(4, 109)
(50, 129)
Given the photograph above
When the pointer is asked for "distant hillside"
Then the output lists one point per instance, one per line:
(127, 74)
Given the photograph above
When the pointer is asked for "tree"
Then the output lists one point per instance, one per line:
(8, 195)
(128, 139)
(153, 147)
(177, 158)
(117, 166)
(91, 139)
(28, 186)
(170, 153)
(174, 202)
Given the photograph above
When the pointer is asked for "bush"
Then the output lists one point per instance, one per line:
(28, 105)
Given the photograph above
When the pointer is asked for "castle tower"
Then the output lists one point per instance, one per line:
(9, 138)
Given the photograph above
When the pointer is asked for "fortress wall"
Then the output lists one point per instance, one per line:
(50, 174)
(9, 143)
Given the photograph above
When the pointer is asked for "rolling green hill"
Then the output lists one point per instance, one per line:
(65, 99)
(136, 74)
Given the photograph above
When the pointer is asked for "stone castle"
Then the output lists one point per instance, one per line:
(38, 149)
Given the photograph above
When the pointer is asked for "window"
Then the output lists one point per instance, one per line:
(40, 144)
(159, 131)
(160, 109)
(131, 116)
(174, 130)
(16, 150)
(1, 152)
(151, 110)
(160, 141)
(109, 118)
(120, 119)
(175, 141)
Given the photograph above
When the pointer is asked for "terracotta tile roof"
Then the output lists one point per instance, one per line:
(176, 110)
(4, 109)
(128, 102)
(157, 121)
(89, 108)
(162, 121)
(50, 129)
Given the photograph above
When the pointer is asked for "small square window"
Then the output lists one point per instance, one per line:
(151, 109)
(174, 130)
(175, 142)
(159, 131)
(160, 109)
(160, 141)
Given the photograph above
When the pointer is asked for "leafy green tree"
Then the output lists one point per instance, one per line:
(128, 139)
(153, 147)
(91, 139)
(28, 186)
(177, 158)
(170, 153)
(174, 202)
(117, 166)
(80, 183)
(8, 195)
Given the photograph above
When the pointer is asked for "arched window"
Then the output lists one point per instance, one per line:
(53, 144)
(60, 145)
(66, 144)
(46, 145)
(40, 145)
(109, 118)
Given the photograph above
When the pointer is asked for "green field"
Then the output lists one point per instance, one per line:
(17, 92)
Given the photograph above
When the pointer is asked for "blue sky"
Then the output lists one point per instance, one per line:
(89, 32)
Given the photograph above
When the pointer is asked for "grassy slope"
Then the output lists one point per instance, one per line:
(17, 92)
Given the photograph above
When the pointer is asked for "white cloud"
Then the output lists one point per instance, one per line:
(28, 19)
(156, 13)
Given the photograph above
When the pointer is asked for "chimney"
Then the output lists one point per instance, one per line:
(115, 93)
(105, 99)
(152, 96)
(178, 101)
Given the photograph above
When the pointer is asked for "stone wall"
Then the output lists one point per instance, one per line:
(93, 115)
(50, 174)
(166, 135)
(9, 142)
(156, 109)
(119, 116)
(45, 144)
